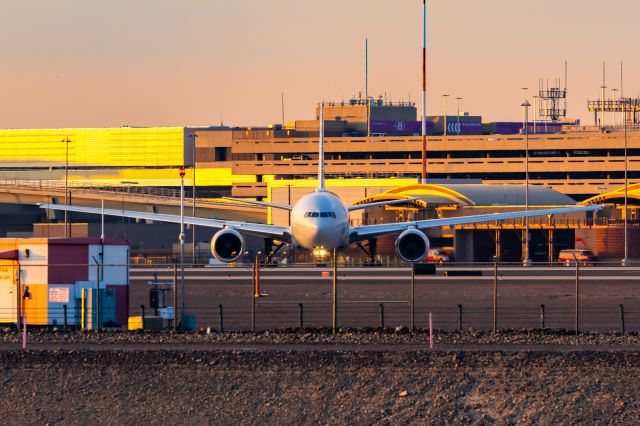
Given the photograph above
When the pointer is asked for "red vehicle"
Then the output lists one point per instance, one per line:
(584, 256)
(438, 256)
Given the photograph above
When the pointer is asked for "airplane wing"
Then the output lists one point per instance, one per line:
(261, 230)
(359, 233)
(260, 203)
(379, 203)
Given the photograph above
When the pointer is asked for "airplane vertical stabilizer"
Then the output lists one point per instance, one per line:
(321, 151)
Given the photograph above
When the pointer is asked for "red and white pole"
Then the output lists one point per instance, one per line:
(423, 176)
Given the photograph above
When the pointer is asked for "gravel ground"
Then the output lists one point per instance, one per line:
(389, 337)
(323, 387)
(340, 385)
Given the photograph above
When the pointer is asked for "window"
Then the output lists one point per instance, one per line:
(320, 214)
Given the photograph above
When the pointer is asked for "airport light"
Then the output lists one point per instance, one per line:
(458, 123)
(604, 88)
(193, 193)
(423, 175)
(535, 114)
(67, 234)
(525, 127)
(181, 171)
(623, 101)
(614, 90)
(445, 114)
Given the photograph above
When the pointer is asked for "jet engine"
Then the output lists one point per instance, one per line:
(412, 245)
(227, 245)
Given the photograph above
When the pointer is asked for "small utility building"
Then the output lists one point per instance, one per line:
(47, 277)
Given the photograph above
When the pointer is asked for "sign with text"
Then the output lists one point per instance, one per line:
(59, 294)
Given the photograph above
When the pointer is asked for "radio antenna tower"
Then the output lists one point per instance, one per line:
(553, 105)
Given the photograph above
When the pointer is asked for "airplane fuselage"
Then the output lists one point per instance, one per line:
(320, 220)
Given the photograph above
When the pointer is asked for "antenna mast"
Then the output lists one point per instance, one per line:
(423, 176)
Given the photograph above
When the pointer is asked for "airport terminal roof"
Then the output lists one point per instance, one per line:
(474, 195)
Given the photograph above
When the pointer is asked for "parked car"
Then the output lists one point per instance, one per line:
(584, 256)
(437, 255)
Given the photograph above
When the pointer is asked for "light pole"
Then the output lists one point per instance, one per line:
(524, 99)
(423, 174)
(458, 123)
(604, 88)
(445, 113)
(625, 260)
(193, 193)
(535, 114)
(181, 237)
(613, 106)
(526, 105)
(66, 186)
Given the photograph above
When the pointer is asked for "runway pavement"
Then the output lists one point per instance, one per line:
(371, 297)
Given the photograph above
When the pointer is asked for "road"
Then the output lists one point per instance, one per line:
(362, 292)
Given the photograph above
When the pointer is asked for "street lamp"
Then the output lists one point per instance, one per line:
(445, 113)
(604, 88)
(625, 260)
(613, 105)
(66, 140)
(524, 98)
(193, 193)
(535, 114)
(526, 105)
(458, 123)
(181, 237)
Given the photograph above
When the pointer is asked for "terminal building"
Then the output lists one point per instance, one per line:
(371, 148)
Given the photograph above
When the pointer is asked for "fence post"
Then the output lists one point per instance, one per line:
(64, 309)
(381, 317)
(495, 293)
(142, 309)
(622, 325)
(253, 311)
(300, 317)
(175, 297)
(413, 297)
(542, 317)
(460, 317)
(220, 318)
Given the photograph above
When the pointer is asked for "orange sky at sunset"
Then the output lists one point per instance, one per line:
(91, 63)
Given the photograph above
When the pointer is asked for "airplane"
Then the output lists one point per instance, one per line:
(320, 223)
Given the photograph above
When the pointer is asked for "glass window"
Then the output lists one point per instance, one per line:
(332, 214)
(307, 214)
(324, 214)
(315, 214)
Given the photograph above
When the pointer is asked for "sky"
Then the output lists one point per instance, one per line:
(97, 63)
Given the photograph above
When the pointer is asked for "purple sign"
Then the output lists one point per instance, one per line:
(462, 128)
(400, 127)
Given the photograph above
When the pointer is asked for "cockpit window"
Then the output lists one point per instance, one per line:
(320, 214)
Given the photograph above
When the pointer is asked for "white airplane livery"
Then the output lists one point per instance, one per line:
(320, 221)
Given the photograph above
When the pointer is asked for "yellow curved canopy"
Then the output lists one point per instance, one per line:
(633, 194)
(418, 191)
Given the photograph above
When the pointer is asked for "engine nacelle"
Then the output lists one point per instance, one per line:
(227, 245)
(412, 245)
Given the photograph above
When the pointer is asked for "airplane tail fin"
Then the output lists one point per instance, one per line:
(321, 150)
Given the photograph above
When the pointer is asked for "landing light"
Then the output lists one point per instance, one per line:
(320, 252)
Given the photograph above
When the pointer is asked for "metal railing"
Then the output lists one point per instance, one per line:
(87, 187)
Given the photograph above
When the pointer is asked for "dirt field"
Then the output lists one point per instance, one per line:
(156, 386)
